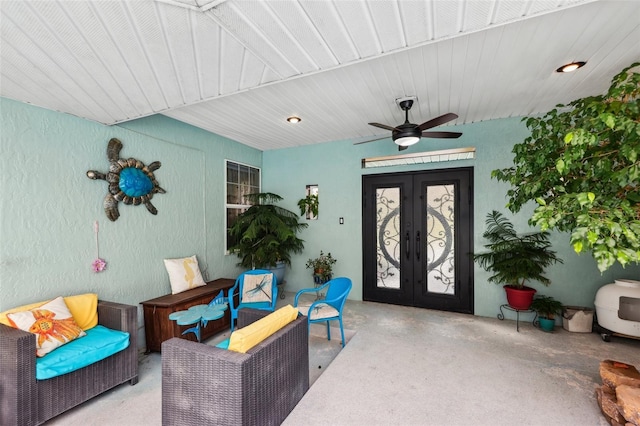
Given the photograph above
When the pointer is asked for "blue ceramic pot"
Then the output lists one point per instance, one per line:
(547, 324)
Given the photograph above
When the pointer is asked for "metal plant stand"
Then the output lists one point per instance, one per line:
(319, 281)
(517, 311)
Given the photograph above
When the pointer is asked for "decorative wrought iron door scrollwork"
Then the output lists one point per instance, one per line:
(388, 226)
(440, 239)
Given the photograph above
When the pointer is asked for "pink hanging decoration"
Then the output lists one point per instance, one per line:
(99, 264)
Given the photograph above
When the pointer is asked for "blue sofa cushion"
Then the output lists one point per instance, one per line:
(99, 343)
(224, 344)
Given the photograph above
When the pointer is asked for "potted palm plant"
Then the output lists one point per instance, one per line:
(515, 259)
(547, 308)
(266, 234)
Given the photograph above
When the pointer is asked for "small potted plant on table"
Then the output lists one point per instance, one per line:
(546, 307)
(514, 259)
(322, 267)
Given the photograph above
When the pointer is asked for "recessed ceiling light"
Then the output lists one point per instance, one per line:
(571, 67)
(294, 119)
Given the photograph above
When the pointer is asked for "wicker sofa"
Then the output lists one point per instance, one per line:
(27, 401)
(206, 385)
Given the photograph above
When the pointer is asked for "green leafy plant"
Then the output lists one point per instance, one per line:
(266, 233)
(309, 204)
(581, 165)
(322, 266)
(513, 259)
(546, 306)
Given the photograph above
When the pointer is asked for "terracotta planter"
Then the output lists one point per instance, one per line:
(519, 298)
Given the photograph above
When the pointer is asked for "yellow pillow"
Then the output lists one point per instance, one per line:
(52, 323)
(247, 337)
(83, 308)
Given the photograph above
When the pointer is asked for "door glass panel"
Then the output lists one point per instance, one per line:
(388, 237)
(440, 239)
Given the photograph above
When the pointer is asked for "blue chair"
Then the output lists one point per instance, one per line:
(257, 289)
(329, 308)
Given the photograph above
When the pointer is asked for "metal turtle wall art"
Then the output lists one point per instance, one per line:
(130, 181)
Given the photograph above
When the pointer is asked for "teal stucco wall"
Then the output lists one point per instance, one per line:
(48, 206)
(336, 168)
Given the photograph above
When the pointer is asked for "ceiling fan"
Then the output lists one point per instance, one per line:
(407, 134)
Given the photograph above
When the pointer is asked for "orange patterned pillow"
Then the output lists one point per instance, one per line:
(52, 323)
(83, 308)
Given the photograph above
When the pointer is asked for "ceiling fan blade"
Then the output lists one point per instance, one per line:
(383, 126)
(437, 121)
(375, 138)
(445, 135)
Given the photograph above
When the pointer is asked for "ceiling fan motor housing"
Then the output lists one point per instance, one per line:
(408, 133)
(406, 130)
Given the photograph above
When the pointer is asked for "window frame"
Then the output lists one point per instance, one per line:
(241, 207)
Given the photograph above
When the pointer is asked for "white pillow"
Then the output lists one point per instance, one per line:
(184, 274)
(257, 288)
(52, 323)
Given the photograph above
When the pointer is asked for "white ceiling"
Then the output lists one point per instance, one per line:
(238, 68)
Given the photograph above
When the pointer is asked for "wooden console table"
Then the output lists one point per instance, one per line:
(157, 325)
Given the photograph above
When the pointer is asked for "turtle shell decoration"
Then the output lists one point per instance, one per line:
(130, 181)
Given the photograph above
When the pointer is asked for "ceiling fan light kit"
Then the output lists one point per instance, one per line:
(406, 140)
(407, 134)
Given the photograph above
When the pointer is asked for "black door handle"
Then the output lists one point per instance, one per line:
(418, 245)
(407, 248)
